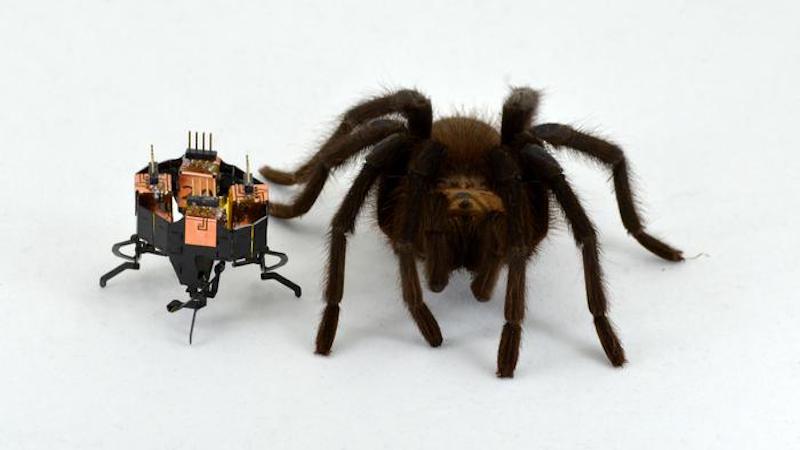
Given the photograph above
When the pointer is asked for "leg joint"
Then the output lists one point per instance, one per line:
(385, 151)
(410, 100)
(542, 163)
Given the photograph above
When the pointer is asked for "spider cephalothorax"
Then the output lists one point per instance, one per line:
(457, 193)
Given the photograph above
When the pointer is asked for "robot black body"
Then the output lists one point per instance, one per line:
(225, 215)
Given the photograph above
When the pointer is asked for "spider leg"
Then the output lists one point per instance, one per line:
(335, 155)
(283, 177)
(422, 170)
(612, 156)
(506, 174)
(519, 110)
(544, 167)
(412, 105)
(343, 224)
(332, 148)
(438, 254)
(485, 276)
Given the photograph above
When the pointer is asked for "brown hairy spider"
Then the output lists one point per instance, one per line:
(457, 193)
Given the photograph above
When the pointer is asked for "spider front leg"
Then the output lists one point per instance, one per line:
(485, 276)
(343, 223)
(422, 171)
(545, 168)
(612, 156)
(507, 177)
(514, 312)
(438, 254)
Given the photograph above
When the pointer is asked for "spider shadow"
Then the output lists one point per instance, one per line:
(478, 355)
(453, 306)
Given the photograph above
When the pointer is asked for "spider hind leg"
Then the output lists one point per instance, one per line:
(613, 157)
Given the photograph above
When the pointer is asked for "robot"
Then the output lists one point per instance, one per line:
(223, 218)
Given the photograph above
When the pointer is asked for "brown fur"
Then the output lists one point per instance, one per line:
(457, 193)
(467, 140)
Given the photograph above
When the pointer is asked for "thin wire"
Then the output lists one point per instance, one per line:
(191, 330)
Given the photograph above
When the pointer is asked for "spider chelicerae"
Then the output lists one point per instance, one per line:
(457, 193)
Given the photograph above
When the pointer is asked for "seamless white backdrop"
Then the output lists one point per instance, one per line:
(702, 95)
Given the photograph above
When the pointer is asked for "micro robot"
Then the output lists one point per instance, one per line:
(222, 216)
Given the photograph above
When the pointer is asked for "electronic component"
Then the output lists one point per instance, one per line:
(224, 219)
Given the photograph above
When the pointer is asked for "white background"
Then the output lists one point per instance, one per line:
(703, 96)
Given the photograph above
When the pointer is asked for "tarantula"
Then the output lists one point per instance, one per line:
(458, 193)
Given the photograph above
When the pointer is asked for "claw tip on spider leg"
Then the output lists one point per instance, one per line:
(505, 374)
(672, 254)
(619, 360)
